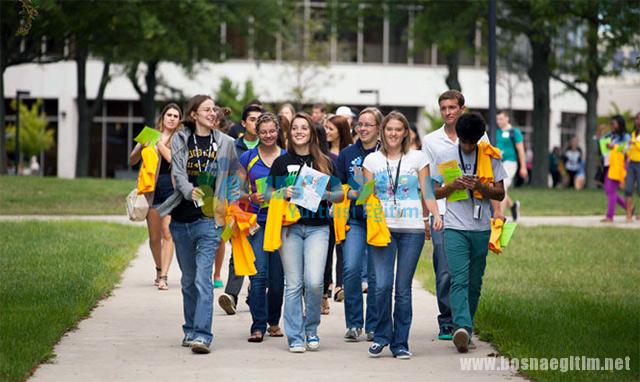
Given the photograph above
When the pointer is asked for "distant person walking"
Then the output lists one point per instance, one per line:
(572, 159)
(511, 142)
(616, 143)
(160, 240)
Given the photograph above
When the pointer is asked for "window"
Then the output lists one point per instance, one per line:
(398, 35)
(373, 23)
(347, 30)
(319, 25)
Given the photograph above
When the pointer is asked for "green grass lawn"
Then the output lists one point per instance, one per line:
(559, 202)
(559, 292)
(25, 195)
(51, 275)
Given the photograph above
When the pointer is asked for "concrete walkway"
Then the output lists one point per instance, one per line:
(135, 335)
(578, 221)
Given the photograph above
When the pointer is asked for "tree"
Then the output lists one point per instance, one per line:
(19, 44)
(35, 136)
(539, 21)
(183, 32)
(451, 25)
(608, 26)
(228, 95)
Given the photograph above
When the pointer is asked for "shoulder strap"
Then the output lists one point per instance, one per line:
(253, 161)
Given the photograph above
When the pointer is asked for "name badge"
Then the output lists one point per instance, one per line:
(505, 134)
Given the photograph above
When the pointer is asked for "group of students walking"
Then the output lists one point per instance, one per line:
(379, 206)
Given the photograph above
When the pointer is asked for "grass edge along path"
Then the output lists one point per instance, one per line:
(558, 292)
(53, 274)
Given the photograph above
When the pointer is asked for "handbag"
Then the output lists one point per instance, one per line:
(137, 206)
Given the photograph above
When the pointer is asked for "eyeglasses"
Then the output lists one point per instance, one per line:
(367, 125)
(268, 132)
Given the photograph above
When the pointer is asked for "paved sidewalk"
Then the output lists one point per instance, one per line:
(578, 221)
(135, 335)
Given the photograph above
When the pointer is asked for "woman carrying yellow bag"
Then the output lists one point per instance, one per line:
(401, 182)
(159, 188)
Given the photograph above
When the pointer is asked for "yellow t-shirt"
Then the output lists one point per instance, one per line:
(634, 148)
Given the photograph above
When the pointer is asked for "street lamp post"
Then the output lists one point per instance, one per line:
(18, 153)
(372, 91)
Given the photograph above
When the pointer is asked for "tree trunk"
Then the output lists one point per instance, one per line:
(3, 141)
(453, 64)
(84, 118)
(148, 98)
(540, 75)
(592, 121)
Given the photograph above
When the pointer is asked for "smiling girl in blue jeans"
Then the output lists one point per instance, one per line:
(401, 182)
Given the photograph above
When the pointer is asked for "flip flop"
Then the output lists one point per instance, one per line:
(275, 331)
(256, 337)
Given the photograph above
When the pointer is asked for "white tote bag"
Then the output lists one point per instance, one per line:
(137, 206)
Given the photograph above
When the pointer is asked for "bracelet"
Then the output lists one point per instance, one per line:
(425, 218)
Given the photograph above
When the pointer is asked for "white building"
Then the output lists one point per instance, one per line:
(376, 58)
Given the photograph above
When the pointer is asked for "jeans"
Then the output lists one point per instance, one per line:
(196, 244)
(406, 247)
(467, 256)
(304, 254)
(613, 197)
(443, 280)
(354, 254)
(266, 307)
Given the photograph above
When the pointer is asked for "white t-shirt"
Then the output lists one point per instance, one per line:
(402, 211)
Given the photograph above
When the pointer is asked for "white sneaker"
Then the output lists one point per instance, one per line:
(297, 349)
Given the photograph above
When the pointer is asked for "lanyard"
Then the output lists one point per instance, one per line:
(475, 166)
(212, 147)
(394, 183)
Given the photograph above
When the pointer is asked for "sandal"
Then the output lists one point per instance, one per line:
(275, 331)
(157, 280)
(338, 296)
(256, 337)
(162, 283)
(325, 308)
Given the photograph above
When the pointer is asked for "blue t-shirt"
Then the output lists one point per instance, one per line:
(349, 170)
(257, 171)
(505, 143)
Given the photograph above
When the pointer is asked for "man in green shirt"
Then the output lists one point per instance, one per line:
(510, 141)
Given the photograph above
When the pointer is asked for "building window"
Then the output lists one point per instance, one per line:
(347, 33)
(373, 23)
(319, 26)
(398, 35)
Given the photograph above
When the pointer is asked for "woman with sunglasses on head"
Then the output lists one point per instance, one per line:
(265, 306)
(159, 235)
(304, 244)
(402, 183)
(203, 158)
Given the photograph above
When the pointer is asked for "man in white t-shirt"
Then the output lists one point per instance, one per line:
(451, 105)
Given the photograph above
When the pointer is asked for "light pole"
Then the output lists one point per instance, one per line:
(492, 71)
(372, 91)
(18, 154)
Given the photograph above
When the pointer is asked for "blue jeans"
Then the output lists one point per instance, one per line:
(354, 255)
(304, 255)
(443, 280)
(196, 244)
(265, 306)
(406, 247)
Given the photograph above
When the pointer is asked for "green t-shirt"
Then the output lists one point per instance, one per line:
(251, 144)
(506, 145)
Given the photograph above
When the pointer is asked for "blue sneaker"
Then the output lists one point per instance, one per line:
(375, 350)
(402, 354)
(313, 343)
(446, 333)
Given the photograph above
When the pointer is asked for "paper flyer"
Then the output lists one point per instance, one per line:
(313, 184)
(148, 136)
(451, 171)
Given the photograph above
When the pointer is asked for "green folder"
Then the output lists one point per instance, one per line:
(148, 136)
(603, 146)
(450, 175)
(365, 192)
(507, 232)
(261, 185)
